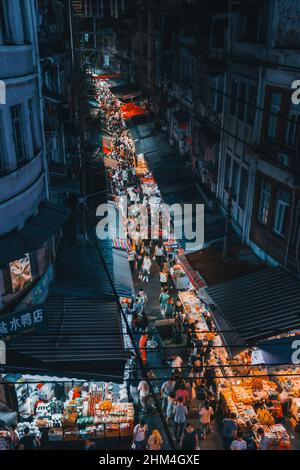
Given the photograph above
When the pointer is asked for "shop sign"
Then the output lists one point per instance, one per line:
(22, 322)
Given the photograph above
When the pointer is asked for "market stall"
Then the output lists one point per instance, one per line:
(71, 411)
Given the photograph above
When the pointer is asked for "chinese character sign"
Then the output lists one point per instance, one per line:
(19, 322)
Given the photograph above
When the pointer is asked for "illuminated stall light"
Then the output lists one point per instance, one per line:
(20, 271)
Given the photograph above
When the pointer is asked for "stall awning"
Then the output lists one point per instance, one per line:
(65, 185)
(37, 230)
(131, 110)
(122, 273)
(259, 305)
(83, 339)
(279, 351)
(126, 92)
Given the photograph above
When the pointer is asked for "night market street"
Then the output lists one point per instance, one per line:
(149, 230)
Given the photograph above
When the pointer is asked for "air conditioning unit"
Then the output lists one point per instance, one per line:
(283, 159)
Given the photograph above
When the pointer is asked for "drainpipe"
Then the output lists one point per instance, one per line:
(33, 13)
(252, 171)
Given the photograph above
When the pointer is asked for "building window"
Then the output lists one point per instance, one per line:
(31, 107)
(241, 103)
(145, 49)
(281, 212)
(264, 203)
(233, 97)
(251, 107)
(106, 60)
(26, 32)
(2, 165)
(243, 188)
(292, 129)
(5, 25)
(227, 172)
(17, 125)
(274, 110)
(235, 180)
(218, 96)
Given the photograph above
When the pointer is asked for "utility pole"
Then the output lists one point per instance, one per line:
(227, 223)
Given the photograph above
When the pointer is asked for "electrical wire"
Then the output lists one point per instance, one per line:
(213, 124)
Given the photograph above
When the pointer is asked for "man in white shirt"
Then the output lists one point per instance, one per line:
(177, 364)
(238, 443)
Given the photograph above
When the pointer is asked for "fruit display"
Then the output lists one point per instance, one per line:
(257, 383)
(230, 403)
(265, 417)
(242, 394)
(106, 405)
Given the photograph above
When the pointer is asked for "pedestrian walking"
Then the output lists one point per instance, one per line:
(238, 443)
(159, 253)
(183, 393)
(14, 436)
(205, 413)
(146, 267)
(229, 430)
(139, 261)
(155, 440)
(264, 441)
(147, 247)
(142, 295)
(177, 367)
(163, 278)
(144, 394)
(28, 442)
(180, 414)
(138, 306)
(131, 258)
(143, 347)
(133, 387)
(166, 388)
(163, 298)
(143, 322)
(171, 402)
(169, 308)
(189, 439)
(140, 435)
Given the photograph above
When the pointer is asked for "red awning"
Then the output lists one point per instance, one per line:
(130, 110)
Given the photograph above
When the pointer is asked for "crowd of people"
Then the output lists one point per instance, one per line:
(191, 389)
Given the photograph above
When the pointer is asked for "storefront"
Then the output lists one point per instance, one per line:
(62, 410)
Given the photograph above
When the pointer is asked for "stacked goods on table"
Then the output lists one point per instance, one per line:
(141, 168)
(191, 303)
(194, 311)
(277, 434)
(92, 408)
(179, 276)
(289, 379)
(177, 271)
(149, 185)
